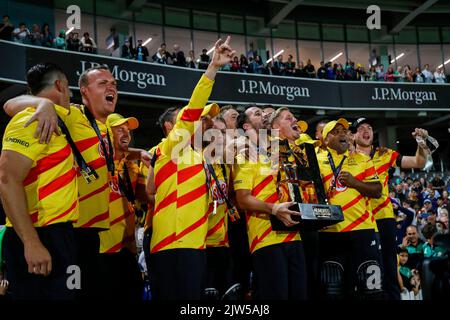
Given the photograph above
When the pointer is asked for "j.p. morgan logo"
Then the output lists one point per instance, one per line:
(267, 88)
(322, 212)
(399, 94)
(141, 79)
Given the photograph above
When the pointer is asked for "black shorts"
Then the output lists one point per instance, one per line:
(280, 272)
(220, 269)
(351, 250)
(59, 240)
(121, 276)
(178, 274)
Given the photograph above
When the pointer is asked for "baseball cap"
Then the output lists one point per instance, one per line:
(115, 119)
(303, 125)
(305, 138)
(427, 200)
(330, 126)
(358, 122)
(211, 109)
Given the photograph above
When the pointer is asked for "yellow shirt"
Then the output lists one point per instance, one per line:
(355, 206)
(51, 184)
(217, 235)
(93, 197)
(180, 218)
(260, 179)
(382, 207)
(121, 233)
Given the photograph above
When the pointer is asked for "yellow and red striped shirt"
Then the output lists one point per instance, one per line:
(382, 207)
(355, 206)
(121, 233)
(93, 197)
(51, 184)
(260, 179)
(180, 218)
(217, 235)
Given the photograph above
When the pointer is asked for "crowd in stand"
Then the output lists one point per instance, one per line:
(252, 63)
(421, 209)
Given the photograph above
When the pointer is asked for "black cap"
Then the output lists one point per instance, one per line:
(358, 122)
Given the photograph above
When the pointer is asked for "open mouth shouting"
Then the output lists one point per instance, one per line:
(110, 97)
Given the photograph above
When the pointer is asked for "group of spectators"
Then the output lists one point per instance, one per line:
(252, 63)
(279, 67)
(43, 36)
(421, 209)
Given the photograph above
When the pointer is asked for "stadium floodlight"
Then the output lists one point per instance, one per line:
(146, 41)
(446, 62)
(398, 57)
(70, 30)
(276, 55)
(336, 56)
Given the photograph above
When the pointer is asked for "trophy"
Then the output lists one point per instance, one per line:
(303, 182)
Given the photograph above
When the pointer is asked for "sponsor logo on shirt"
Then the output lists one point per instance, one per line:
(18, 141)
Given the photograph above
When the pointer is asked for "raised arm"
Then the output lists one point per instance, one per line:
(192, 112)
(420, 158)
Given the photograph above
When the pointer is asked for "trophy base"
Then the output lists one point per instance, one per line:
(314, 217)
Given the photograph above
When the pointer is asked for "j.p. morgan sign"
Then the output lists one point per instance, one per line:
(174, 83)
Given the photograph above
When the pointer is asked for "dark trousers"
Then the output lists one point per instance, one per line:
(88, 252)
(121, 277)
(178, 274)
(280, 272)
(59, 240)
(387, 230)
(240, 253)
(310, 240)
(351, 250)
(220, 267)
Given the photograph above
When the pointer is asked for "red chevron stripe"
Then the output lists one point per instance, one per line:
(367, 173)
(171, 198)
(165, 172)
(273, 198)
(394, 157)
(215, 228)
(34, 216)
(191, 114)
(85, 144)
(46, 163)
(256, 190)
(191, 196)
(381, 206)
(187, 173)
(351, 203)
(74, 204)
(383, 168)
(174, 237)
(259, 239)
(328, 177)
(93, 193)
(357, 222)
(121, 218)
(113, 196)
(57, 184)
(96, 219)
(290, 236)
